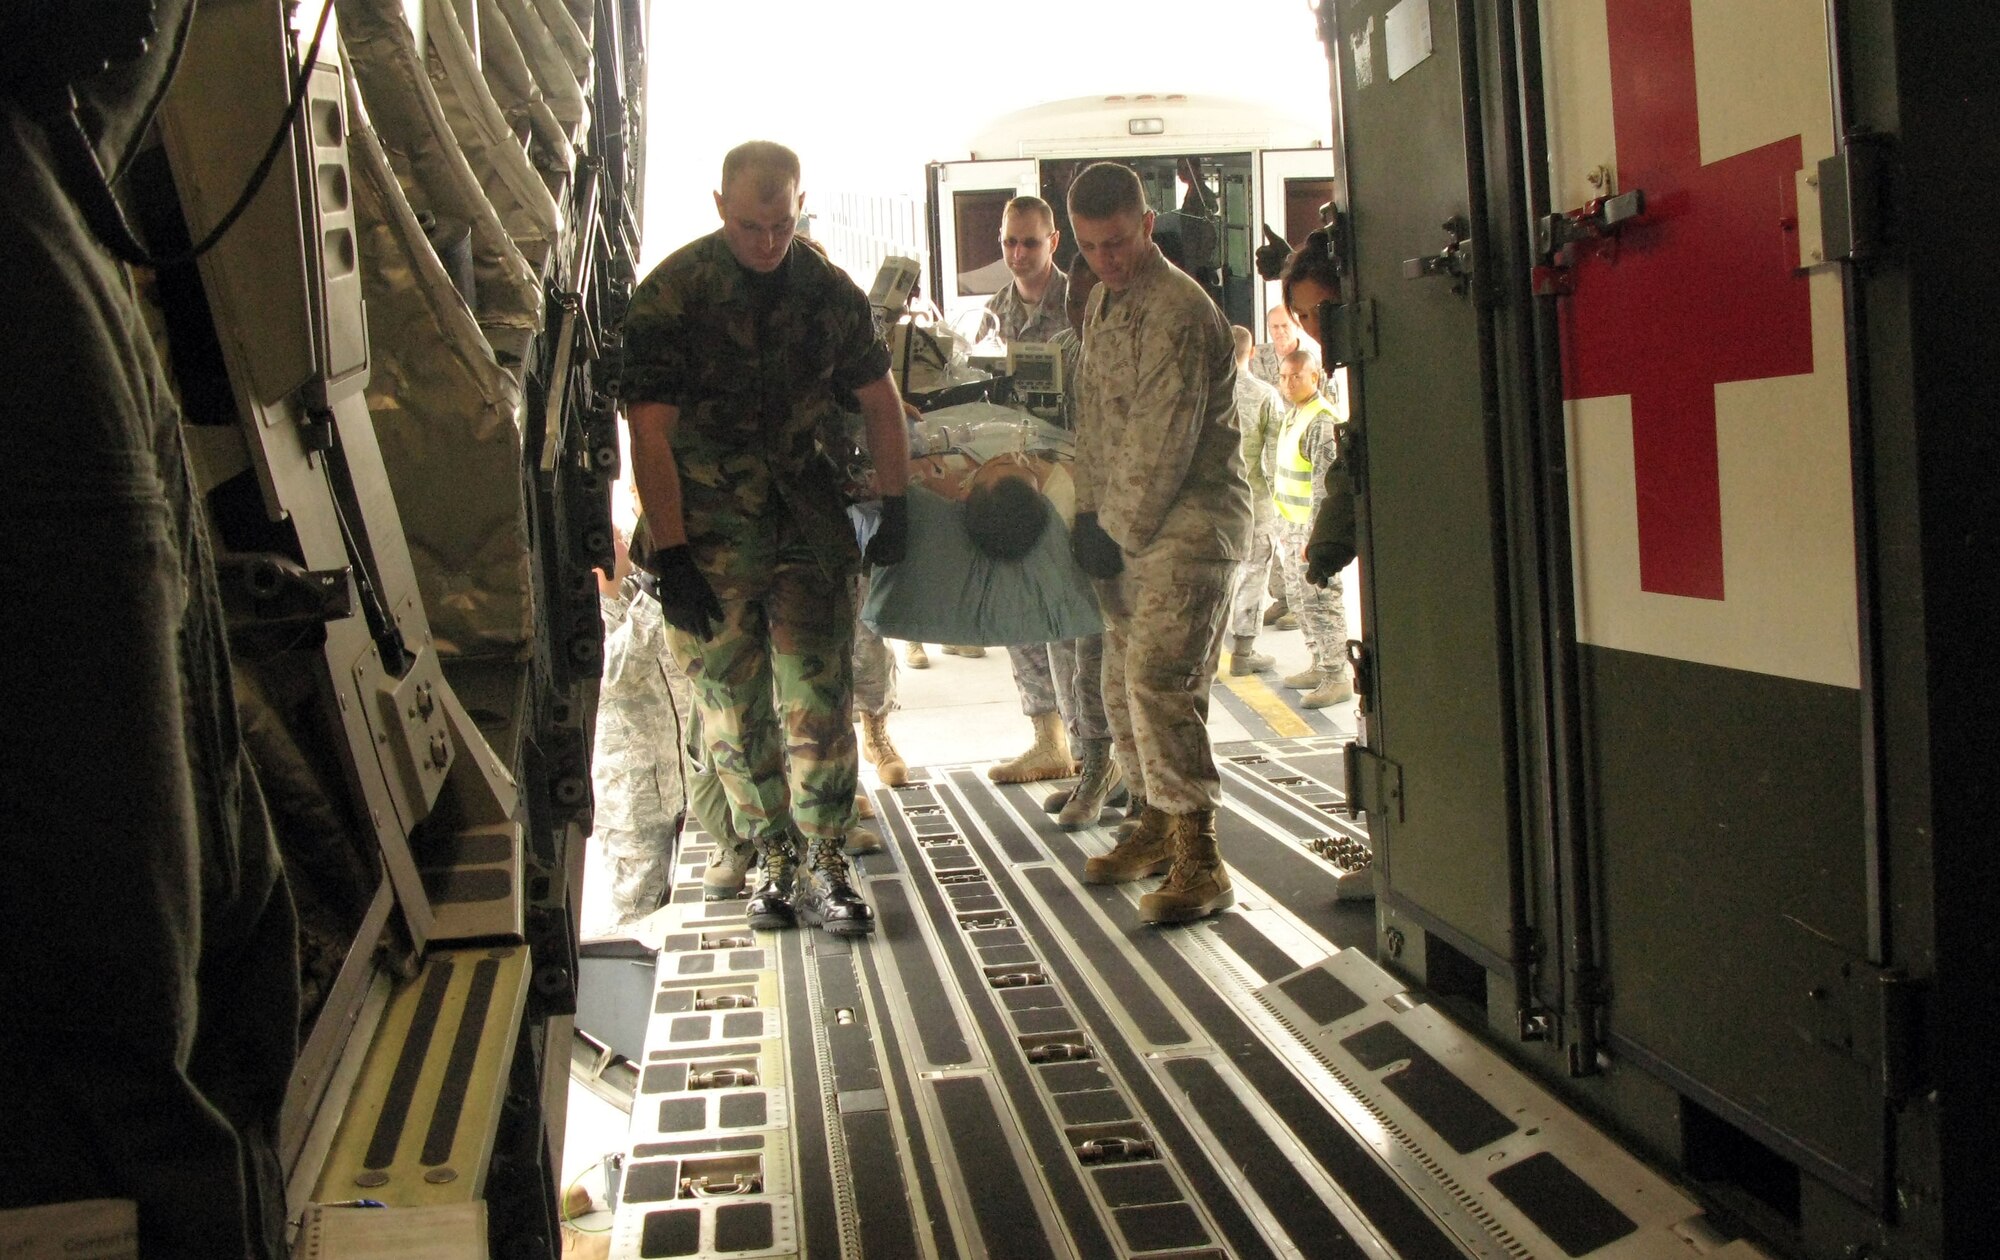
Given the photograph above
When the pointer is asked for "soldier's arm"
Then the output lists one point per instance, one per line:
(887, 433)
(1175, 364)
(654, 472)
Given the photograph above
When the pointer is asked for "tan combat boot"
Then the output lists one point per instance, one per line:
(880, 753)
(1145, 850)
(1097, 782)
(1048, 759)
(1198, 883)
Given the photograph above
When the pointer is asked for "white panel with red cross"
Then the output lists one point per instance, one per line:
(1704, 367)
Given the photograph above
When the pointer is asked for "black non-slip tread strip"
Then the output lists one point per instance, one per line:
(1562, 1205)
(1203, 1177)
(881, 1197)
(1404, 1224)
(819, 1213)
(1110, 964)
(939, 1031)
(1322, 997)
(901, 1091)
(1314, 1229)
(743, 1227)
(1253, 947)
(1045, 1145)
(1453, 1109)
(1001, 1200)
(409, 1068)
(443, 1132)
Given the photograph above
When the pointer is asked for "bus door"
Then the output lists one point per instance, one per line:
(966, 201)
(1292, 184)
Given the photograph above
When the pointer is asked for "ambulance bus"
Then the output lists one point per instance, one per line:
(1218, 171)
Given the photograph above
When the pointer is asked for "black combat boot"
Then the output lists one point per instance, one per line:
(770, 907)
(825, 899)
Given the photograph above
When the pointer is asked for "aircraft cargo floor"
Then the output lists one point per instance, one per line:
(1013, 1066)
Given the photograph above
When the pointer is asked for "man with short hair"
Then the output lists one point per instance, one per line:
(1162, 520)
(1284, 336)
(1306, 448)
(1032, 308)
(738, 348)
(1257, 410)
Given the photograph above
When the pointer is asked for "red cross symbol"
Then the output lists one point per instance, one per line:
(1704, 289)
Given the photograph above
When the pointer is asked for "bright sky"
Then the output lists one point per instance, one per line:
(867, 92)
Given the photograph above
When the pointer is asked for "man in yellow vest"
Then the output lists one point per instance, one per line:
(1307, 443)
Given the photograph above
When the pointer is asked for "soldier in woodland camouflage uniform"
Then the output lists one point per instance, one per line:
(1257, 408)
(737, 349)
(1162, 520)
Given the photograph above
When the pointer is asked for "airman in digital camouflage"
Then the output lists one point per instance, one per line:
(737, 348)
(1033, 307)
(1305, 451)
(1257, 408)
(635, 757)
(1163, 518)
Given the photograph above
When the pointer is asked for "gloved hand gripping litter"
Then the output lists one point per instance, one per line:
(685, 596)
(1096, 552)
(892, 537)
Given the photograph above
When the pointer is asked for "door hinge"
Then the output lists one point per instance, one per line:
(1902, 1036)
(1350, 332)
(1374, 785)
(1852, 204)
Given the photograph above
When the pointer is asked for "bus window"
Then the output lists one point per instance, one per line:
(1303, 198)
(977, 215)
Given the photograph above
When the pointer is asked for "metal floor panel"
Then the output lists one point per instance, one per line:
(1014, 1066)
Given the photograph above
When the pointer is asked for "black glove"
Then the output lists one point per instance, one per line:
(683, 591)
(1096, 552)
(892, 537)
(1325, 559)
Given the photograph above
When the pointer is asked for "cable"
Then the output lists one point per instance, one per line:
(562, 1207)
(101, 209)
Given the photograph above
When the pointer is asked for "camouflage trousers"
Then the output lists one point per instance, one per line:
(874, 663)
(1319, 610)
(642, 867)
(775, 687)
(707, 801)
(1163, 622)
(1064, 677)
(1246, 605)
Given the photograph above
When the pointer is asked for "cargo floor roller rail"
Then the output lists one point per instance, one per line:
(1014, 1066)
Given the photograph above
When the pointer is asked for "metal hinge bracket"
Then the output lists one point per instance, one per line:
(1852, 184)
(1374, 785)
(1350, 332)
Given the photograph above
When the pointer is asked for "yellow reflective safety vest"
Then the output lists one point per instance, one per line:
(1292, 488)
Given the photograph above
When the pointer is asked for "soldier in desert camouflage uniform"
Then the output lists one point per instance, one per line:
(737, 348)
(1163, 519)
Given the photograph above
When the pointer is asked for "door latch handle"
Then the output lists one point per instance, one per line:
(1454, 260)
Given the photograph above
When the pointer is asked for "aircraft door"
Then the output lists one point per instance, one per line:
(966, 202)
(1435, 772)
(1292, 184)
(1704, 378)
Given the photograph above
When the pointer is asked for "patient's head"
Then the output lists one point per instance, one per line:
(1006, 516)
